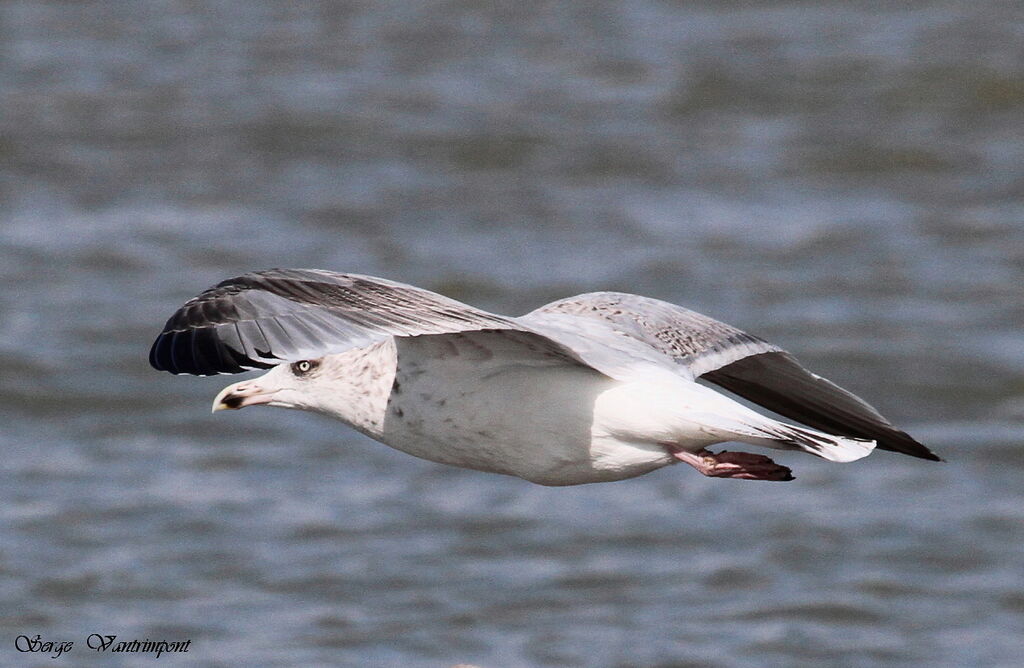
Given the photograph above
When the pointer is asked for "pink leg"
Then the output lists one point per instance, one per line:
(743, 465)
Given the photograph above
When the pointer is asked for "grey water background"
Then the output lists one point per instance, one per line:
(845, 179)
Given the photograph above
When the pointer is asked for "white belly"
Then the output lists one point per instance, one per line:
(477, 401)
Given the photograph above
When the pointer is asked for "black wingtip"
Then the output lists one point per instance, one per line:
(776, 381)
(895, 440)
(153, 354)
(928, 455)
(160, 354)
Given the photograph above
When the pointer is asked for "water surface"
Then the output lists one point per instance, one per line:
(844, 179)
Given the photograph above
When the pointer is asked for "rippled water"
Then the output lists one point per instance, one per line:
(845, 179)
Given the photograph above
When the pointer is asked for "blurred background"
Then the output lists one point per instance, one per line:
(845, 179)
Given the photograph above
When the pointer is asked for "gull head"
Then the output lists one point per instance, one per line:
(286, 385)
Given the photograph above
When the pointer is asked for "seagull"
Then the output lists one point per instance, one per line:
(598, 387)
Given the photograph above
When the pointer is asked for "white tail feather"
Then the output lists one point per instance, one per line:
(826, 446)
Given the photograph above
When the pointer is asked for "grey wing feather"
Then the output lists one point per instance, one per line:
(693, 341)
(268, 317)
(702, 347)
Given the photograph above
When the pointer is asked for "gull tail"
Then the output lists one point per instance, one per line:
(826, 446)
(750, 427)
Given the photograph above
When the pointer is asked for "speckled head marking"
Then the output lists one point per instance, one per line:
(353, 386)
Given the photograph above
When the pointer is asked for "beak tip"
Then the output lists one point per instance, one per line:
(238, 396)
(226, 399)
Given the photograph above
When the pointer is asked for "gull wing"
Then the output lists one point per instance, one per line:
(265, 318)
(702, 347)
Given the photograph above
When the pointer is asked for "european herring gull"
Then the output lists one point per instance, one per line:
(592, 388)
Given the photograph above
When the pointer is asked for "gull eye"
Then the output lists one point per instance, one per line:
(303, 367)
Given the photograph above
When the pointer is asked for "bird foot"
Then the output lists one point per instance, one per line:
(742, 465)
